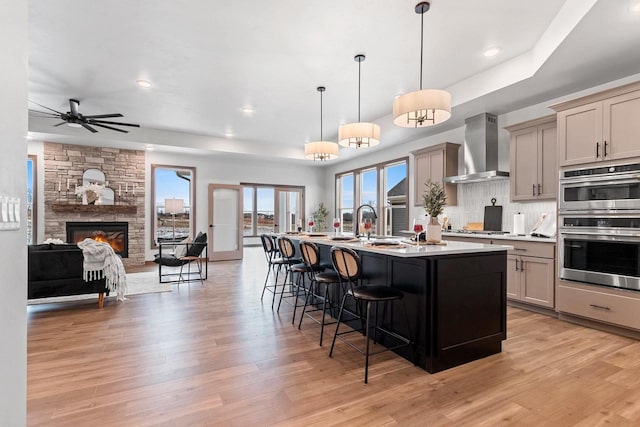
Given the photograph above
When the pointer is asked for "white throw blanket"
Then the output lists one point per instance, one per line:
(101, 261)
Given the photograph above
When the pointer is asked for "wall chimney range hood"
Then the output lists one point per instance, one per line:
(480, 151)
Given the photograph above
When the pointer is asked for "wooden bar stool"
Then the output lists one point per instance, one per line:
(348, 265)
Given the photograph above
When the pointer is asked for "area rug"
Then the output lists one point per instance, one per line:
(137, 284)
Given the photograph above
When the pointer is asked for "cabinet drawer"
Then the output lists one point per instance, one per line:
(467, 239)
(615, 308)
(535, 249)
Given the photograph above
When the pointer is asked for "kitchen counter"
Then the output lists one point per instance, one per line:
(527, 238)
(455, 297)
(407, 249)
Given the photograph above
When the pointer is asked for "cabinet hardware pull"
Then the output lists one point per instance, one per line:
(516, 265)
(519, 249)
(597, 149)
(605, 149)
(533, 189)
(601, 307)
(521, 265)
(539, 189)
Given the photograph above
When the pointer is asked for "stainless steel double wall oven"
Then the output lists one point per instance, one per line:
(599, 225)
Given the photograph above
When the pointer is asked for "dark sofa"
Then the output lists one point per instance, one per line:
(56, 270)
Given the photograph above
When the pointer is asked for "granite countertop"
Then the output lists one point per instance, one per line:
(526, 238)
(406, 249)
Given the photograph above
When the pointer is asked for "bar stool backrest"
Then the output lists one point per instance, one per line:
(347, 263)
(267, 243)
(310, 254)
(287, 250)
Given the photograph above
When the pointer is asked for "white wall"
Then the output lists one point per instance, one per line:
(13, 251)
(229, 169)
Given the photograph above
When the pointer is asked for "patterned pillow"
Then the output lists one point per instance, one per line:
(181, 249)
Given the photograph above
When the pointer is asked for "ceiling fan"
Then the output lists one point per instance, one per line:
(73, 118)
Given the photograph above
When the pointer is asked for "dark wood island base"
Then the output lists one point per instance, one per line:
(456, 303)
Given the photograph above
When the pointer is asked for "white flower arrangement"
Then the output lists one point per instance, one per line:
(91, 192)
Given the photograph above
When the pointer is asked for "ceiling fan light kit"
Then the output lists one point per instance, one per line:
(360, 134)
(73, 118)
(321, 150)
(426, 107)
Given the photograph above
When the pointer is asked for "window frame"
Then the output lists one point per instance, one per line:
(357, 190)
(192, 196)
(34, 198)
(276, 188)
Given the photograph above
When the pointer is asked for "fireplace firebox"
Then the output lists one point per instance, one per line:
(114, 233)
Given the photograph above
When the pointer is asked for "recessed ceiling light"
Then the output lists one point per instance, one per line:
(149, 147)
(248, 110)
(228, 134)
(491, 52)
(635, 7)
(143, 83)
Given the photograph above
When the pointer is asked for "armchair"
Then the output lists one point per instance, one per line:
(194, 253)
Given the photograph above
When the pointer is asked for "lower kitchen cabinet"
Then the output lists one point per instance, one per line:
(531, 280)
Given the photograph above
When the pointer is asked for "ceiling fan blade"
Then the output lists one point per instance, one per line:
(89, 128)
(112, 123)
(47, 108)
(60, 124)
(46, 113)
(109, 127)
(103, 116)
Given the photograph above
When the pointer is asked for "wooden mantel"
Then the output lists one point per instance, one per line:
(69, 207)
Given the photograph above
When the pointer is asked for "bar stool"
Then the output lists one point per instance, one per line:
(317, 275)
(309, 266)
(348, 265)
(288, 260)
(270, 253)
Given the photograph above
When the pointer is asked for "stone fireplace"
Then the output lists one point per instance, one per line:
(116, 234)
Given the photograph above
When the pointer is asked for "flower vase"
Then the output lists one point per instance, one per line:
(434, 230)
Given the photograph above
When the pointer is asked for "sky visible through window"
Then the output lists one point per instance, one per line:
(169, 185)
(395, 174)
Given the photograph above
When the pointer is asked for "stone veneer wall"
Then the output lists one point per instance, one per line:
(121, 167)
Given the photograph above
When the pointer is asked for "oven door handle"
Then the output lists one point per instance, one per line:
(601, 236)
(628, 179)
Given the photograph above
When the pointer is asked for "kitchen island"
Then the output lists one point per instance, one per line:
(455, 296)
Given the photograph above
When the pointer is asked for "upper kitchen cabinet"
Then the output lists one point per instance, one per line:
(533, 159)
(598, 127)
(434, 163)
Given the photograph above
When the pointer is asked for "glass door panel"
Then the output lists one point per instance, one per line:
(226, 221)
(288, 209)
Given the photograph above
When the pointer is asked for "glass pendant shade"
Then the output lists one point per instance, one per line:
(321, 150)
(422, 108)
(357, 135)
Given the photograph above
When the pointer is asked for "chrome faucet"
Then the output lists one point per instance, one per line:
(375, 216)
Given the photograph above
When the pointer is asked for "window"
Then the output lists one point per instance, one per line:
(382, 186)
(173, 203)
(31, 200)
(271, 209)
(344, 201)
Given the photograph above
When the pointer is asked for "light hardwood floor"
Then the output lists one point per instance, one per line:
(216, 355)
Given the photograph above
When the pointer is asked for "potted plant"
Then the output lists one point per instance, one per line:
(434, 201)
(320, 217)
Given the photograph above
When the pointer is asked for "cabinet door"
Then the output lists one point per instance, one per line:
(580, 134)
(421, 175)
(547, 161)
(523, 158)
(621, 126)
(537, 281)
(513, 277)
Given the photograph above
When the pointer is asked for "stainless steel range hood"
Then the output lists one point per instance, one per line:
(480, 151)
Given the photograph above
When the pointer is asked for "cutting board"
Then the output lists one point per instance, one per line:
(493, 217)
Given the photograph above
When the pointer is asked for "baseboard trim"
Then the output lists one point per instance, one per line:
(541, 310)
(606, 327)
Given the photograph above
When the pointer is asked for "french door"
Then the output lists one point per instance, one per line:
(289, 209)
(225, 222)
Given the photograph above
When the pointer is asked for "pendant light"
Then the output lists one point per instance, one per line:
(359, 135)
(321, 150)
(426, 107)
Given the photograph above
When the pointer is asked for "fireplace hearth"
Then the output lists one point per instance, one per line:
(114, 233)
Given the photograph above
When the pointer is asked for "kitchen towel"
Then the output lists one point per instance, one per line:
(518, 224)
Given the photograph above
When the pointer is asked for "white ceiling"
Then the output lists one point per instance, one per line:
(208, 59)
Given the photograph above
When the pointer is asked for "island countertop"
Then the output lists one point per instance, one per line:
(405, 249)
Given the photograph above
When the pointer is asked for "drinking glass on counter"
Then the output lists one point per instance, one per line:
(336, 225)
(311, 224)
(418, 229)
(367, 227)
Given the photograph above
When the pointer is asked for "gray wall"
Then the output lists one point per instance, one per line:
(13, 251)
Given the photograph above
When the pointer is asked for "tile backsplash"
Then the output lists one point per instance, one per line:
(473, 197)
